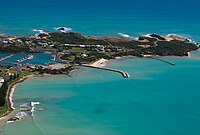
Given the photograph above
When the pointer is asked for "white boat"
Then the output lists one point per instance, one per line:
(53, 57)
(29, 57)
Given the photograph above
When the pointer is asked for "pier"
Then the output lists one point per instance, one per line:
(29, 57)
(6, 57)
(124, 74)
(165, 61)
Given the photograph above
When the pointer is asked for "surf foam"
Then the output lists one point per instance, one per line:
(63, 29)
(124, 35)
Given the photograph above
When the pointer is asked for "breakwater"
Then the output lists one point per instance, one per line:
(165, 61)
(6, 57)
(124, 74)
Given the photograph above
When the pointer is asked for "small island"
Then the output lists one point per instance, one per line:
(70, 49)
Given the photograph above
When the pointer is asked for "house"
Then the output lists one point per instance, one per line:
(84, 55)
(1, 81)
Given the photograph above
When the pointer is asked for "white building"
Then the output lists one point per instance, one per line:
(1, 81)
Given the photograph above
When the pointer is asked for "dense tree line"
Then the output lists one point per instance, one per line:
(176, 48)
(54, 71)
(3, 91)
(75, 38)
(14, 49)
(4, 88)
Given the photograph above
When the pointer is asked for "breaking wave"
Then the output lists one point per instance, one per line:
(63, 29)
(39, 31)
(124, 35)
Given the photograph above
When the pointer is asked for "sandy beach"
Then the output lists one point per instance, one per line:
(99, 63)
(9, 99)
(12, 88)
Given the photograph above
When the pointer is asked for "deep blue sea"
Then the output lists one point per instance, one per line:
(102, 17)
(157, 99)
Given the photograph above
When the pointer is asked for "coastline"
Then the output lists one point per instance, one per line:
(10, 93)
(102, 62)
(12, 87)
(99, 63)
(9, 98)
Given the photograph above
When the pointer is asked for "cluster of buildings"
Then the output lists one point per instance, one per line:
(30, 41)
(37, 41)
(8, 40)
(99, 48)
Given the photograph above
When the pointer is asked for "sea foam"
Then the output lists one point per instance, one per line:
(40, 31)
(63, 29)
(124, 35)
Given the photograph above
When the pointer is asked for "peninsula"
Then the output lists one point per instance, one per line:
(70, 49)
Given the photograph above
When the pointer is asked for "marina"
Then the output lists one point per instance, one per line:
(29, 57)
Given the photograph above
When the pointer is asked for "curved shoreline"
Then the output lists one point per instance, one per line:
(9, 98)
(12, 87)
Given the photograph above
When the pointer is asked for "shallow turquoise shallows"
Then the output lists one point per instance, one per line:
(157, 99)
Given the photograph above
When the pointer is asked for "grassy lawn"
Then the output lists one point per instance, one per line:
(25, 73)
(3, 69)
(12, 71)
(78, 49)
(68, 57)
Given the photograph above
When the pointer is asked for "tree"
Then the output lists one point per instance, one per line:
(3, 91)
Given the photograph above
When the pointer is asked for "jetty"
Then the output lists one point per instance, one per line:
(124, 74)
(29, 57)
(165, 61)
(6, 57)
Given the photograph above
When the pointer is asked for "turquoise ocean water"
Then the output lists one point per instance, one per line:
(157, 99)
